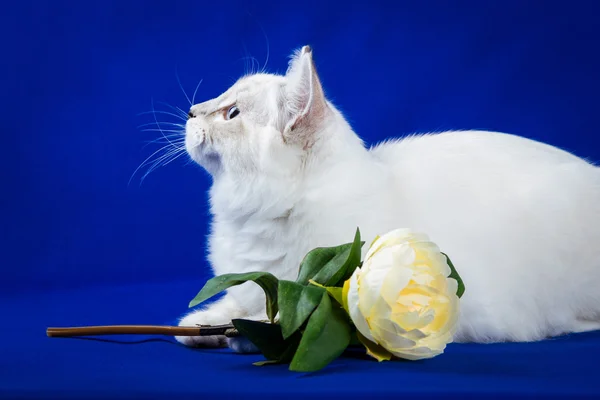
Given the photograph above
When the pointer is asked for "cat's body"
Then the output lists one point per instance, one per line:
(520, 219)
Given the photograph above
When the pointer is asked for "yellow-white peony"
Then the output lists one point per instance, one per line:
(401, 299)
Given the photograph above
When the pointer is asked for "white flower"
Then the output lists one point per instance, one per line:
(401, 299)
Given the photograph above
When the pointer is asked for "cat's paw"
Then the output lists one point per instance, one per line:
(202, 341)
(242, 345)
(196, 319)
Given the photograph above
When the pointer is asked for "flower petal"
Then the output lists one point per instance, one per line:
(345, 290)
(396, 236)
(417, 353)
(353, 307)
(452, 285)
(369, 289)
(402, 298)
(388, 337)
(415, 334)
(395, 281)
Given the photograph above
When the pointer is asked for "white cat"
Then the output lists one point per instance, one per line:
(520, 219)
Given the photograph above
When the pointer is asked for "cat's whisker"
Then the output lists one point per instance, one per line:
(180, 136)
(162, 122)
(166, 113)
(177, 140)
(249, 62)
(157, 124)
(175, 157)
(167, 152)
(159, 160)
(181, 87)
(182, 114)
(181, 132)
(246, 58)
(264, 68)
(185, 114)
(257, 70)
(161, 140)
(195, 91)
(146, 161)
(163, 160)
(173, 140)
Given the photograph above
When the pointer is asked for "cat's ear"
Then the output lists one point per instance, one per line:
(305, 101)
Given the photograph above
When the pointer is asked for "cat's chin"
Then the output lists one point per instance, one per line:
(209, 160)
(202, 154)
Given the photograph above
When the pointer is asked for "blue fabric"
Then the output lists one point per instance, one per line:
(33, 366)
(80, 246)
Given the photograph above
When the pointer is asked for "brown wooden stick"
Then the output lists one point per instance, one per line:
(204, 330)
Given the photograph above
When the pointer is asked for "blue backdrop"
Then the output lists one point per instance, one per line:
(78, 77)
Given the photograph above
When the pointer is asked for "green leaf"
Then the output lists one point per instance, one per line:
(336, 292)
(354, 259)
(315, 260)
(354, 340)
(269, 340)
(454, 274)
(326, 336)
(296, 303)
(330, 265)
(265, 362)
(265, 280)
(267, 337)
(292, 344)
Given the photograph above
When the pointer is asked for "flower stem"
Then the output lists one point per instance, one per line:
(202, 330)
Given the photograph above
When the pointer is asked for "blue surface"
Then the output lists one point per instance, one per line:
(80, 246)
(155, 367)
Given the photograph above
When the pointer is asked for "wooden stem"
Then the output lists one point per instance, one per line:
(204, 330)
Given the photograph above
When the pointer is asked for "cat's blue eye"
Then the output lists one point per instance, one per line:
(232, 112)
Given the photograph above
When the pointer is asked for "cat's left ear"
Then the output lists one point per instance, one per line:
(305, 101)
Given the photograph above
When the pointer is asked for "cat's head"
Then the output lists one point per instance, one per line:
(263, 123)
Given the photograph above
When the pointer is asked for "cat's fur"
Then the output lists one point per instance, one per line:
(520, 219)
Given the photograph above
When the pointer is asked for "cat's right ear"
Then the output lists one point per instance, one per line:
(305, 103)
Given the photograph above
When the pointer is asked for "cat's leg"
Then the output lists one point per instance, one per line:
(242, 345)
(246, 301)
(253, 298)
(218, 313)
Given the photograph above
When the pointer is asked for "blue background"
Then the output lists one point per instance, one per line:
(80, 245)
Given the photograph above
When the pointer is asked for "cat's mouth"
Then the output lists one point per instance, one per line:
(195, 136)
(198, 139)
(199, 146)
